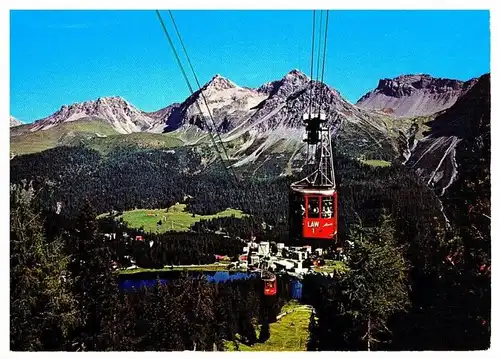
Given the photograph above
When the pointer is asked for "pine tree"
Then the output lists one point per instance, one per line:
(197, 296)
(95, 286)
(376, 284)
(129, 337)
(41, 304)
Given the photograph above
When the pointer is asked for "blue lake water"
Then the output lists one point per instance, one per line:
(136, 281)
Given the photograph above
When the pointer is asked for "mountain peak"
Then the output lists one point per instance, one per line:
(288, 83)
(295, 73)
(219, 82)
(411, 77)
(112, 100)
(14, 121)
(100, 101)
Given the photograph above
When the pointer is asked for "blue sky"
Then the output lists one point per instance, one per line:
(61, 57)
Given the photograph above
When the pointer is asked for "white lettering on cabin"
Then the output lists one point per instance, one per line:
(313, 224)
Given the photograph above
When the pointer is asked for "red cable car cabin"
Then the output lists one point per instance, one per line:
(269, 283)
(314, 213)
(270, 287)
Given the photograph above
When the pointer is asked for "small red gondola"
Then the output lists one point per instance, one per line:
(269, 283)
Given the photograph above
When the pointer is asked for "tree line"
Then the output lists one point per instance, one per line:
(125, 179)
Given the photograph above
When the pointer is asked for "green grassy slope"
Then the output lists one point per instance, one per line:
(174, 218)
(22, 141)
(376, 163)
(289, 333)
(95, 134)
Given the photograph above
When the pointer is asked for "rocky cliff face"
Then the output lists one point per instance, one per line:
(439, 155)
(414, 95)
(160, 117)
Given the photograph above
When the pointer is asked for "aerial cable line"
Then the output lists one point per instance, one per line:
(322, 41)
(187, 79)
(175, 51)
(324, 49)
(312, 72)
(312, 61)
(206, 102)
(319, 45)
(238, 182)
(318, 96)
(323, 74)
(197, 104)
(190, 87)
(324, 53)
(199, 85)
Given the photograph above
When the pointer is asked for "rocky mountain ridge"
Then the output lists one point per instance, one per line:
(414, 95)
(264, 124)
(274, 104)
(115, 110)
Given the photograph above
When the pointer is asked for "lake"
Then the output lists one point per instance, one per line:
(148, 279)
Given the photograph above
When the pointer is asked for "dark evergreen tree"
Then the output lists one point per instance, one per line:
(95, 286)
(376, 284)
(42, 308)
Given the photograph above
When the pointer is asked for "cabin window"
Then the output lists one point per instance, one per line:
(302, 208)
(313, 207)
(327, 207)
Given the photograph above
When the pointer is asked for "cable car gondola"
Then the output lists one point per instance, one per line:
(313, 200)
(269, 280)
(315, 210)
